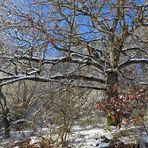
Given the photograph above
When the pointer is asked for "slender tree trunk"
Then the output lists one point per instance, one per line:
(5, 112)
(6, 127)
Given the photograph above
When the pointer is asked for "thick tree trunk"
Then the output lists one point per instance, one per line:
(112, 73)
(112, 84)
(112, 94)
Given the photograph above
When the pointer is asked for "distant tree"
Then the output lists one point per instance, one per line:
(63, 107)
(23, 100)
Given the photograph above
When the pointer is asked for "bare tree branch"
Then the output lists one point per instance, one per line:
(134, 61)
(78, 77)
(135, 48)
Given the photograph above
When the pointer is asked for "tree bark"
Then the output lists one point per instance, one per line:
(5, 112)
(6, 127)
(112, 82)
(112, 72)
(112, 92)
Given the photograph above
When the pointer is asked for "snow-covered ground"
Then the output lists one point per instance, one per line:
(91, 137)
(85, 138)
(88, 137)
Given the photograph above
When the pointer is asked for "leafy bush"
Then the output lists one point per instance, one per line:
(130, 105)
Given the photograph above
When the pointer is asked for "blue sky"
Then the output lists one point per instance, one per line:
(80, 19)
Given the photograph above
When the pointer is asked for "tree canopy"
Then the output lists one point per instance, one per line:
(92, 36)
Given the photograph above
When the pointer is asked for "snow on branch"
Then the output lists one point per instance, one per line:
(46, 61)
(133, 61)
(8, 78)
(89, 87)
(62, 60)
(135, 48)
(78, 77)
(11, 80)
